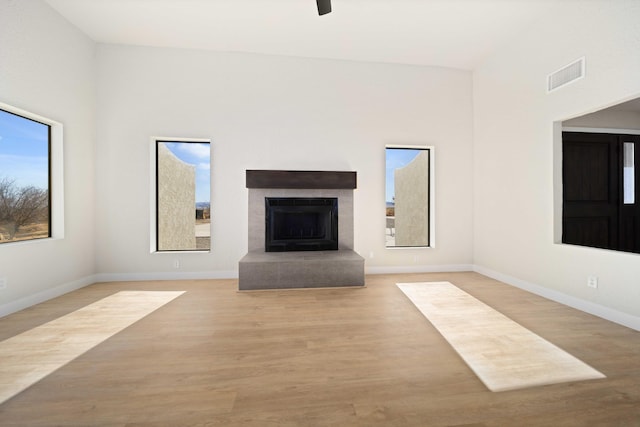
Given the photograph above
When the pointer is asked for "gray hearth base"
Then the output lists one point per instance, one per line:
(284, 270)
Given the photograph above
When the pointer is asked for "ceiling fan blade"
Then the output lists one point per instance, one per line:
(324, 6)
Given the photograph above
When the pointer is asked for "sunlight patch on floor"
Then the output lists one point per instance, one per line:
(32, 355)
(503, 354)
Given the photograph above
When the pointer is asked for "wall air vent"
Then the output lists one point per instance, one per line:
(567, 74)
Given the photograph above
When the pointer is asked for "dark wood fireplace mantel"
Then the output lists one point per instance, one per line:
(301, 179)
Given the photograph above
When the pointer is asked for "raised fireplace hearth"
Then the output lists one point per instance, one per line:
(300, 231)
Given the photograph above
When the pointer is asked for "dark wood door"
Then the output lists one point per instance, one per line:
(594, 210)
(590, 189)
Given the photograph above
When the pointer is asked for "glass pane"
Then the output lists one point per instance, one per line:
(183, 196)
(24, 179)
(407, 197)
(629, 173)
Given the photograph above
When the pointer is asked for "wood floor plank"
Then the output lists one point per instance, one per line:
(326, 357)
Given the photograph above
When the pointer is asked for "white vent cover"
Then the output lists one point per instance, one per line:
(567, 74)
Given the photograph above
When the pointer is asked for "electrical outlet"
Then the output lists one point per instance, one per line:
(3, 283)
(592, 282)
(176, 263)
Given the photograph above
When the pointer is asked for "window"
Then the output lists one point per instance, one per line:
(25, 176)
(629, 168)
(183, 195)
(409, 196)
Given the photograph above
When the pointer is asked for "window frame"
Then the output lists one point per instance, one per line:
(153, 193)
(431, 238)
(55, 179)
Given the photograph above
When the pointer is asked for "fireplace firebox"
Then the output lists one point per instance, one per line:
(301, 224)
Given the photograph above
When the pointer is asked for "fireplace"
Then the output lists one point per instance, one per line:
(293, 238)
(301, 224)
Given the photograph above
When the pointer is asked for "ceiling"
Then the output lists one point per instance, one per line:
(447, 33)
(630, 106)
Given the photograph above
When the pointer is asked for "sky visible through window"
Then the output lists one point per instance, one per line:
(24, 151)
(397, 158)
(199, 155)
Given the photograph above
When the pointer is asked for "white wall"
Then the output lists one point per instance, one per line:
(514, 154)
(267, 112)
(607, 119)
(47, 68)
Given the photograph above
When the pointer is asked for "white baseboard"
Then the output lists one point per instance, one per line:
(607, 313)
(178, 275)
(418, 269)
(28, 301)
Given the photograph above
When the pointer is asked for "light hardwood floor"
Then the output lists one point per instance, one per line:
(326, 357)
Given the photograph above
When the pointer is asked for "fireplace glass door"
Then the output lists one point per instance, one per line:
(301, 224)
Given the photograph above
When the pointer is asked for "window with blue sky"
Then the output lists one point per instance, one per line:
(183, 216)
(396, 158)
(24, 178)
(198, 155)
(407, 196)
